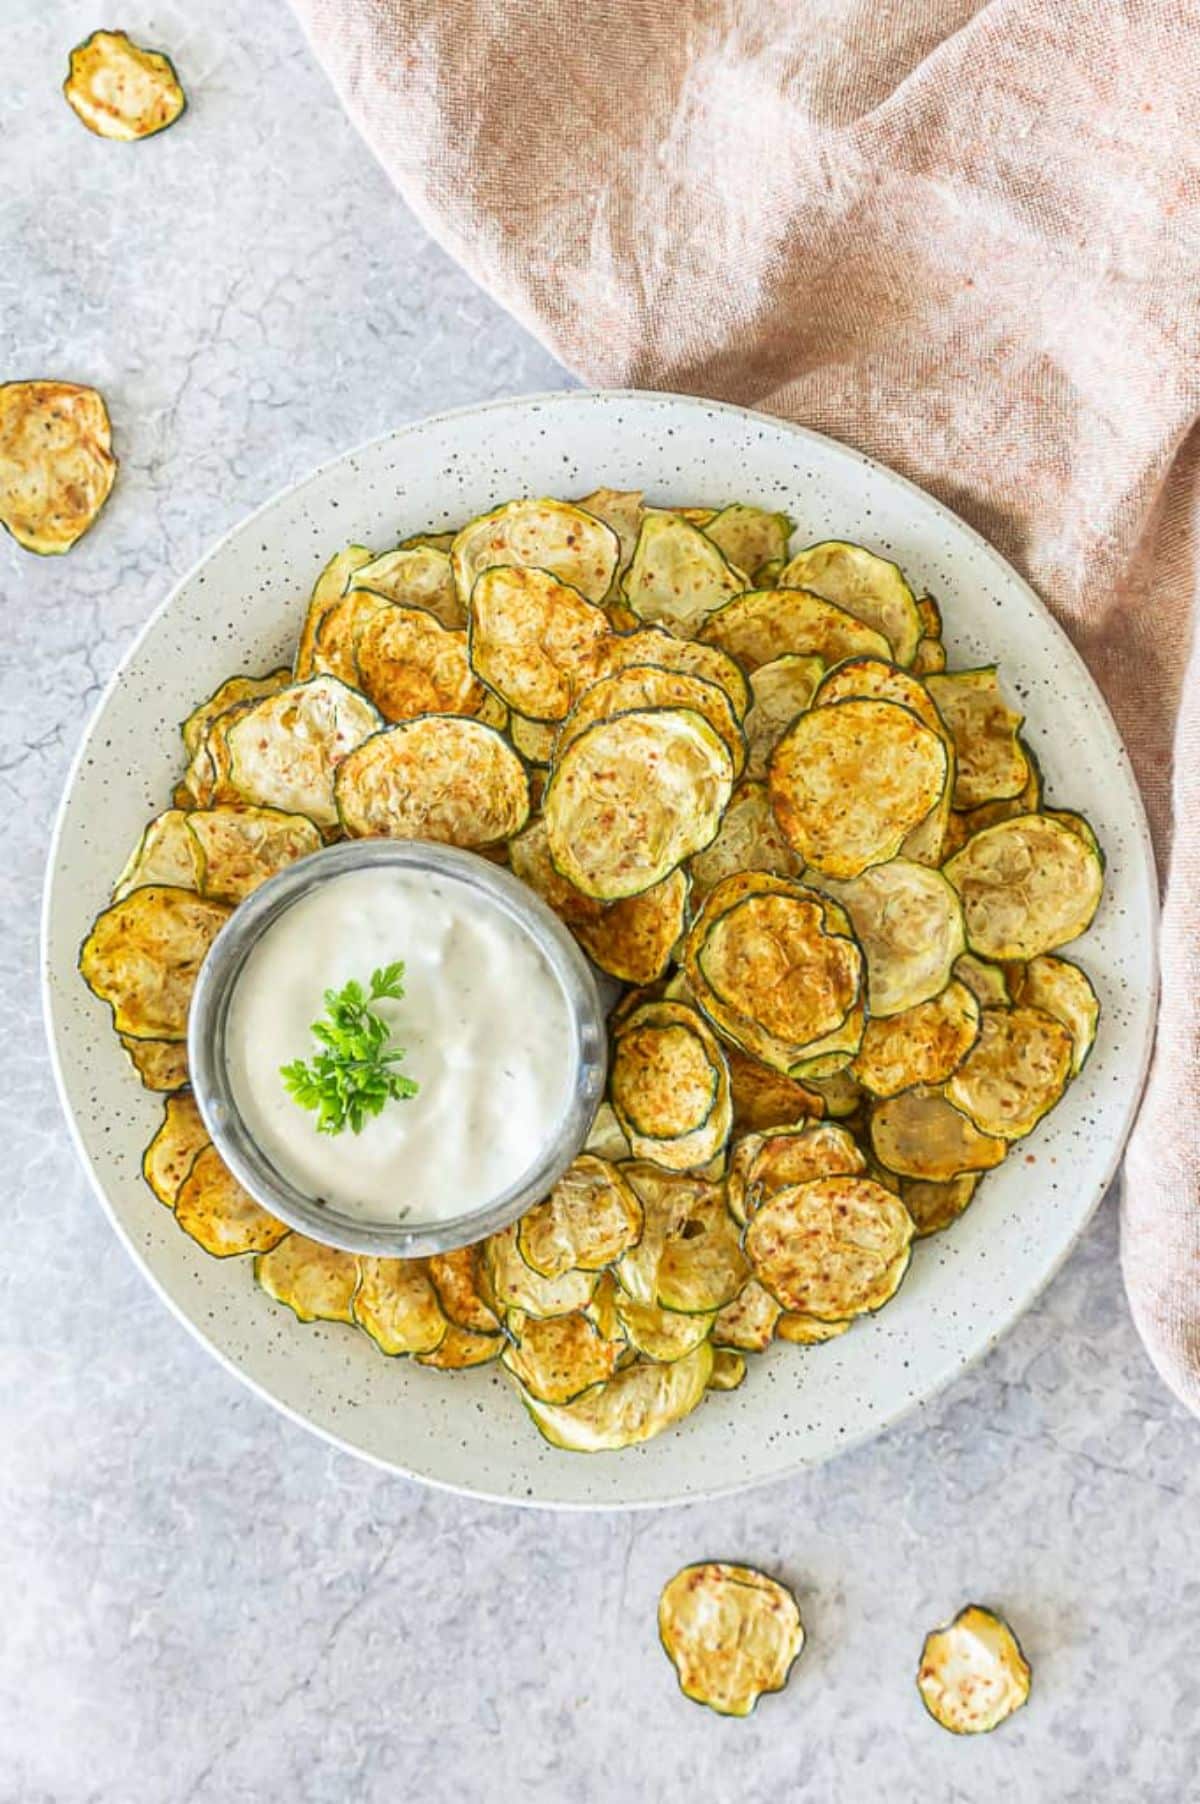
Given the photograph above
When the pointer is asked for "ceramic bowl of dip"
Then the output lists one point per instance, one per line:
(502, 1025)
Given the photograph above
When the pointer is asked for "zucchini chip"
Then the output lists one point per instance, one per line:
(461, 1350)
(909, 922)
(396, 1304)
(763, 1164)
(166, 853)
(924, 1044)
(316, 1282)
(534, 739)
(748, 1322)
(440, 541)
(589, 1219)
(930, 655)
(220, 1216)
(669, 1086)
(780, 691)
(990, 764)
(284, 750)
(731, 1634)
(414, 576)
(181, 1137)
(336, 649)
(831, 1248)
(227, 695)
(660, 1334)
(633, 939)
(1075, 823)
(119, 90)
(689, 1257)
(1061, 989)
(652, 645)
(239, 848)
(161, 1064)
(576, 547)
(748, 839)
(328, 590)
(986, 981)
(934, 1206)
(919, 1134)
(620, 509)
(728, 1370)
(441, 777)
(515, 1285)
(869, 587)
(631, 798)
(839, 1092)
(534, 640)
(749, 537)
(765, 1098)
(765, 624)
(639, 687)
(463, 1290)
(607, 1140)
(558, 1360)
(408, 663)
(1015, 1073)
(1028, 886)
(56, 463)
(143, 955)
(678, 576)
(849, 781)
(973, 1674)
(801, 1330)
(637, 1403)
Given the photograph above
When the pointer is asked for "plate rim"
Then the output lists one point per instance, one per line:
(869, 1431)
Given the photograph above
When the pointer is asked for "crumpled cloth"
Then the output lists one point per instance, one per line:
(963, 236)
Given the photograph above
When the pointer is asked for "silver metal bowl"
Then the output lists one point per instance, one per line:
(210, 1077)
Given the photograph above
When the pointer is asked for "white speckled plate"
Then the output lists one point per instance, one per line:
(241, 608)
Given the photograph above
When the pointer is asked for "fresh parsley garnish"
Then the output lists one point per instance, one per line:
(354, 1074)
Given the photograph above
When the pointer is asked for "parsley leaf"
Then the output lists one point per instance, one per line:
(353, 1075)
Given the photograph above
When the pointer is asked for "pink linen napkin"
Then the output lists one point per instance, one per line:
(963, 235)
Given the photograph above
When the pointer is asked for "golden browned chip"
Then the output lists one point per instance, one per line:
(801, 1330)
(441, 777)
(227, 695)
(463, 1289)
(589, 1219)
(867, 586)
(934, 1206)
(920, 1045)
(556, 1360)
(660, 1334)
(689, 1257)
(328, 590)
(748, 839)
(165, 853)
(831, 1248)
(119, 90)
(765, 1163)
(749, 537)
(631, 798)
(877, 680)
(534, 639)
(220, 1216)
(669, 1086)
(1028, 886)
(239, 848)
(461, 1350)
(748, 1322)
(728, 1370)
(918, 1134)
(56, 462)
(631, 939)
(929, 657)
(336, 650)
(316, 1282)
(534, 739)
(678, 577)
(621, 509)
(637, 1403)
(285, 750)
(651, 645)
(575, 546)
(396, 1304)
(839, 1092)
(909, 922)
(409, 663)
(143, 955)
(849, 781)
(986, 981)
(161, 1064)
(765, 624)
(764, 1097)
(515, 1284)
(441, 541)
(990, 762)
(1064, 991)
(973, 1674)
(1017, 1069)
(780, 691)
(638, 687)
(173, 1151)
(415, 576)
(606, 1139)
(731, 1634)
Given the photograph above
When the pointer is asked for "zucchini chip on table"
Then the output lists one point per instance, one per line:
(661, 1334)
(56, 463)
(747, 1323)
(553, 536)
(973, 1674)
(462, 1350)
(144, 954)
(120, 90)
(731, 1634)
(934, 1206)
(441, 777)
(669, 1086)
(637, 1403)
(865, 585)
(534, 640)
(766, 1098)
(1028, 886)
(832, 1248)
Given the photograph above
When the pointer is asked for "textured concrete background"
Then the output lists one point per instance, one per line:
(203, 1603)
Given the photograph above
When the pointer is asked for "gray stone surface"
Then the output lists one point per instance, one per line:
(201, 1602)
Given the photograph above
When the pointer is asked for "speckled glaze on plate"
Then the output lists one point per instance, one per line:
(241, 608)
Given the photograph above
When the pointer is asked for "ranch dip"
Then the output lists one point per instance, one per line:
(483, 1021)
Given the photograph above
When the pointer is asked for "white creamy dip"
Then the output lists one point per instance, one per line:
(484, 1023)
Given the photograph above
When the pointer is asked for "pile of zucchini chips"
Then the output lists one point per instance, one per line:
(818, 862)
